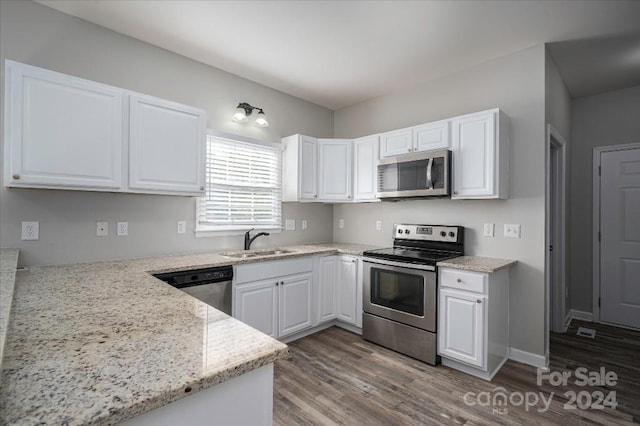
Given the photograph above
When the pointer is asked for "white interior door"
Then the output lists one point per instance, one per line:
(620, 237)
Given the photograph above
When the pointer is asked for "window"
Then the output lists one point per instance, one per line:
(243, 187)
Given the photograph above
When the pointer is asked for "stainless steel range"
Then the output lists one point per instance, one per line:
(400, 288)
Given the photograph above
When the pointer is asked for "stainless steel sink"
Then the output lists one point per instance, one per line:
(251, 254)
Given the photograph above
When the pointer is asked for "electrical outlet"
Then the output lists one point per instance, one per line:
(182, 227)
(102, 229)
(304, 224)
(341, 223)
(122, 229)
(489, 229)
(30, 231)
(290, 224)
(511, 230)
(378, 225)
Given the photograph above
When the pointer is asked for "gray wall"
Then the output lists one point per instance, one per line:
(37, 35)
(611, 118)
(515, 84)
(557, 112)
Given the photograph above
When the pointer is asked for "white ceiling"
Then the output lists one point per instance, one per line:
(339, 53)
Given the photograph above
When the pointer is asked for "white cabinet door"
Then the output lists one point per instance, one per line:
(166, 147)
(328, 280)
(365, 170)
(308, 168)
(396, 142)
(256, 304)
(431, 136)
(334, 157)
(461, 335)
(295, 304)
(61, 131)
(474, 155)
(347, 290)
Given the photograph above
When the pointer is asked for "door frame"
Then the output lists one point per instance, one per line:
(556, 294)
(595, 224)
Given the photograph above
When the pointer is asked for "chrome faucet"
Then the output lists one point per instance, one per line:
(248, 239)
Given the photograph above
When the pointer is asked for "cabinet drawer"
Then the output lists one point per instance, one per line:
(463, 280)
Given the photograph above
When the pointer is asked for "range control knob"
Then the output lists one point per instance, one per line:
(443, 234)
(399, 231)
(406, 231)
(452, 234)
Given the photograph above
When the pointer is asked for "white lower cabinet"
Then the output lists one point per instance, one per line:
(347, 291)
(338, 290)
(274, 297)
(327, 268)
(473, 320)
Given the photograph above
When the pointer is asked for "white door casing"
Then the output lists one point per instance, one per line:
(555, 215)
(619, 248)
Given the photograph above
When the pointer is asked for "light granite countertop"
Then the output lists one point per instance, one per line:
(103, 342)
(8, 263)
(477, 263)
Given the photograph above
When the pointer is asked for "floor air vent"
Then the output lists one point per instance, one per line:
(586, 332)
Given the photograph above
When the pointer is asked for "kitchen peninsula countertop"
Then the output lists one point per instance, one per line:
(477, 263)
(8, 263)
(103, 342)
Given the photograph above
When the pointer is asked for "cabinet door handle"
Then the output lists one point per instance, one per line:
(409, 150)
(479, 301)
(16, 177)
(459, 280)
(277, 283)
(202, 188)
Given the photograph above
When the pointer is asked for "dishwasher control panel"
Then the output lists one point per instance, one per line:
(194, 277)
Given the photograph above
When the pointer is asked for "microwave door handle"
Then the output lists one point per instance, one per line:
(429, 179)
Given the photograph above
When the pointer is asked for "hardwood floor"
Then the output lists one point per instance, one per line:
(336, 377)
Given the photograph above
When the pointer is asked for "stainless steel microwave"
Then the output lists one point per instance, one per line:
(424, 174)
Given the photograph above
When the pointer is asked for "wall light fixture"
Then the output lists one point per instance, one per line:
(243, 112)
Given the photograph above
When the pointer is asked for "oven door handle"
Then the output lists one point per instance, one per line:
(399, 264)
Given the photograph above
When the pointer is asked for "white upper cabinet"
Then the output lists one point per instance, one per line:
(166, 146)
(424, 137)
(365, 176)
(299, 168)
(396, 142)
(61, 131)
(65, 132)
(335, 169)
(480, 155)
(431, 136)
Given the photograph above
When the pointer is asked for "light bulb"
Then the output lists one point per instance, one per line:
(261, 119)
(240, 116)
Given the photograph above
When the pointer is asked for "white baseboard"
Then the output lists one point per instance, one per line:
(581, 315)
(528, 358)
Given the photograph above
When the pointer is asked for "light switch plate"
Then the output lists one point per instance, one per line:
(511, 230)
(182, 227)
(290, 225)
(489, 230)
(304, 224)
(341, 223)
(102, 229)
(30, 231)
(122, 229)
(378, 225)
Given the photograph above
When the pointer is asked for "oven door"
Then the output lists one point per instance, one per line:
(400, 292)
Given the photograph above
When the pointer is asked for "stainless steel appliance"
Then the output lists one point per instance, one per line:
(210, 285)
(400, 288)
(424, 174)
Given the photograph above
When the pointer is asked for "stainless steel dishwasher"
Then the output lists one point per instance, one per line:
(210, 285)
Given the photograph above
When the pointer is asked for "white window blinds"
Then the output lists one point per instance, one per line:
(243, 186)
